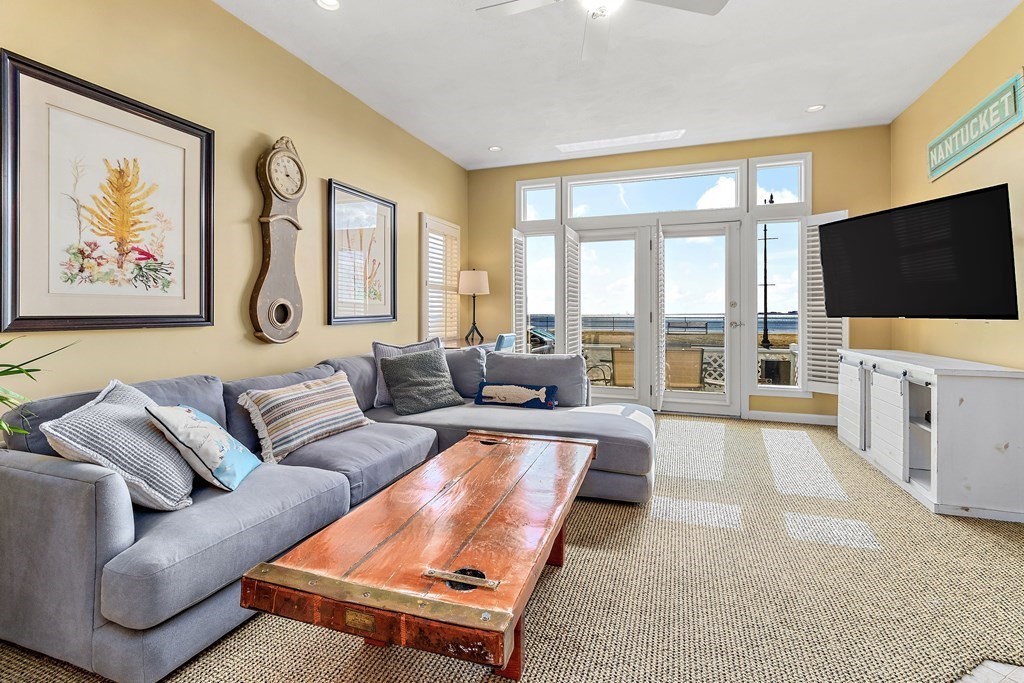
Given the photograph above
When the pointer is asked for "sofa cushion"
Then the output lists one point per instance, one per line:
(290, 417)
(179, 558)
(238, 421)
(114, 431)
(371, 457)
(362, 375)
(204, 392)
(382, 350)
(625, 432)
(567, 372)
(419, 382)
(467, 368)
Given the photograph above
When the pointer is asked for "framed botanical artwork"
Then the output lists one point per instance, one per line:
(106, 207)
(361, 235)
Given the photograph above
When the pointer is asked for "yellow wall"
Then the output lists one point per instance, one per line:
(193, 59)
(851, 171)
(989, 64)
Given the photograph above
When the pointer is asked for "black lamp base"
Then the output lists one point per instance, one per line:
(474, 331)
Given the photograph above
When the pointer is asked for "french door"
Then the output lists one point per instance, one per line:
(661, 315)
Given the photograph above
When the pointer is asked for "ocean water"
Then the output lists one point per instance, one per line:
(777, 322)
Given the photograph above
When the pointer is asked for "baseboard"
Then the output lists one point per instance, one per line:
(796, 418)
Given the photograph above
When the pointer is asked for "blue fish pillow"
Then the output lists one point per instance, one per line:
(215, 455)
(522, 395)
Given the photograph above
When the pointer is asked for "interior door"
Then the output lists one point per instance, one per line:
(698, 320)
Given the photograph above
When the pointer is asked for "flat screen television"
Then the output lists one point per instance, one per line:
(945, 258)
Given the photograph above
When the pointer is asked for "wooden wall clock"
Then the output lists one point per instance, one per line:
(276, 304)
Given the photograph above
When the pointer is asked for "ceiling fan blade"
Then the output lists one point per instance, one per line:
(595, 39)
(509, 7)
(709, 7)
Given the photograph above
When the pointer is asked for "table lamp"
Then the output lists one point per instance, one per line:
(474, 282)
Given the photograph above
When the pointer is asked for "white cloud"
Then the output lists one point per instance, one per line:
(580, 210)
(622, 195)
(721, 196)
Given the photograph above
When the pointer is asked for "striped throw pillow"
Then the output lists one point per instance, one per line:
(290, 417)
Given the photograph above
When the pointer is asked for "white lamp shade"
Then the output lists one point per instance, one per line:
(473, 282)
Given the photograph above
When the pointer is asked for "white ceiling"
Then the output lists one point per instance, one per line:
(462, 82)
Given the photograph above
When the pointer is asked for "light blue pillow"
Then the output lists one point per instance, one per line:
(215, 455)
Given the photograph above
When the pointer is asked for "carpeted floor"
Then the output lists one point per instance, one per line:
(770, 553)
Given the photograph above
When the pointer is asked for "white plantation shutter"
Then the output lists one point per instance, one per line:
(573, 316)
(658, 244)
(520, 320)
(823, 336)
(440, 265)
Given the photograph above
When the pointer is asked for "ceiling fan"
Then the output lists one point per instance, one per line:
(595, 33)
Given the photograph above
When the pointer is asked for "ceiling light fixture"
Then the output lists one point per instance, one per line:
(494, 148)
(815, 108)
(589, 145)
(601, 7)
(329, 5)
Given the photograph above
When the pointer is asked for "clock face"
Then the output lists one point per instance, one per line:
(286, 175)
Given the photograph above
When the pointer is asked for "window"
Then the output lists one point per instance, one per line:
(607, 280)
(780, 184)
(440, 265)
(540, 292)
(693, 192)
(778, 303)
(538, 204)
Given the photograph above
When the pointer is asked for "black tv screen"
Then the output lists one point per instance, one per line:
(945, 258)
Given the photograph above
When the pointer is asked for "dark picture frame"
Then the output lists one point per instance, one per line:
(362, 280)
(194, 271)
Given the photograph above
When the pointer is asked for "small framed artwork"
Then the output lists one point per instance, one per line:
(361, 235)
(106, 207)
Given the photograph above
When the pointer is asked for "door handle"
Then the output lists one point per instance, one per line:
(735, 324)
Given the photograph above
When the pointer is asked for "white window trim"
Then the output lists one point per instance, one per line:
(429, 223)
(545, 226)
(776, 212)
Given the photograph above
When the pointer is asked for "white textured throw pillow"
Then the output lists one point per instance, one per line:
(114, 431)
(382, 350)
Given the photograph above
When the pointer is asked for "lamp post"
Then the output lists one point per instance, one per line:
(474, 283)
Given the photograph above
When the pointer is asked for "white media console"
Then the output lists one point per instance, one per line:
(950, 432)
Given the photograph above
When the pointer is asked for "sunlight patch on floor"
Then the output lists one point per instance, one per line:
(697, 512)
(698, 452)
(797, 466)
(851, 533)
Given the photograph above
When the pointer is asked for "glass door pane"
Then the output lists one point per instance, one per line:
(608, 304)
(540, 292)
(778, 287)
(695, 313)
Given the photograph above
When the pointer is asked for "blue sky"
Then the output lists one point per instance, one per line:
(695, 270)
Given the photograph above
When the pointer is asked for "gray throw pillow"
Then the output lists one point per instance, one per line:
(419, 382)
(467, 368)
(382, 350)
(114, 431)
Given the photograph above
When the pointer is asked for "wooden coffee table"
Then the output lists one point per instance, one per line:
(443, 560)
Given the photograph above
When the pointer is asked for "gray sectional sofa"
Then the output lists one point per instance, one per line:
(132, 593)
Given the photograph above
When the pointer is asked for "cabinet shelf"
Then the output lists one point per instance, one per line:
(921, 423)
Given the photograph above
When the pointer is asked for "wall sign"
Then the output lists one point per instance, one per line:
(994, 117)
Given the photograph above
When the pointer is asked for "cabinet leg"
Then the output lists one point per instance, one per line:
(514, 668)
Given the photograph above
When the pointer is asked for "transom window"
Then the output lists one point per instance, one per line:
(620, 197)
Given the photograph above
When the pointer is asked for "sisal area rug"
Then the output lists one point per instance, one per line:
(770, 553)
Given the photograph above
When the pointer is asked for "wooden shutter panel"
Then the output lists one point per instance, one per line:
(658, 244)
(573, 315)
(823, 336)
(520, 320)
(441, 262)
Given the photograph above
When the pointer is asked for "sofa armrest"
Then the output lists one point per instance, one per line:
(60, 523)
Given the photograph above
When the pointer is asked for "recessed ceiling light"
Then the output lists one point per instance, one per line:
(602, 7)
(329, 5)
(815, 108)
(494, 148)
(621, 142)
